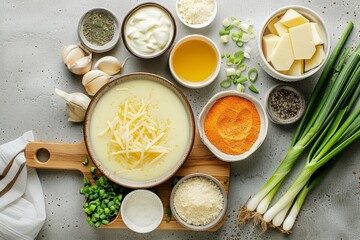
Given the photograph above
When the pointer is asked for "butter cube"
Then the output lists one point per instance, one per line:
(271, 27)
(280, 29)
(269, 43)
(282, 57)
(316, 60)
(317, 34)
(292, 18)
(296, 69)
(302, 41)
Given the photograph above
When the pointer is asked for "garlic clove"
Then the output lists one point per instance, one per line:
(110, 65)
(81, 66)
(76, 105)
(66, 51)
(75, 114)
(73, 55)
(94, 80)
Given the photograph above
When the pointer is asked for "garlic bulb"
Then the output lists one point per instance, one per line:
(94, 80)
(77, 59)
(76, 105)
(109, 65)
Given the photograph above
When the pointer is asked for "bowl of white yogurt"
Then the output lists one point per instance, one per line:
(148, 30)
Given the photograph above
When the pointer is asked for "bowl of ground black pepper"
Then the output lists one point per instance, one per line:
(99, 30)
(284, 104)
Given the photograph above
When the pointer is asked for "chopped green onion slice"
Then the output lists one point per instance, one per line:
(222, 55)
(86, 161)
(238, 54)
(245, 27)
(237, 61)
(230, 71)
(253, 89)
(237, 23)
(226, 83)
(241, 79)
(228, 28)
(242, 67)
(253, 74)
(239, 43)
(240, 87)
(235, 37)
(226, 22)
(245, 37)
(238, 72)
(250, 21)
(224, 39)
(224, 32)
(246, 55)
(228, 55)
(230, 61)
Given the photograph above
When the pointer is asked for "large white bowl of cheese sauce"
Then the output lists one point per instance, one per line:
(139, 130)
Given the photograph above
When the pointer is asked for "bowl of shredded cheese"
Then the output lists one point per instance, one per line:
(198, 201)
(196, 14)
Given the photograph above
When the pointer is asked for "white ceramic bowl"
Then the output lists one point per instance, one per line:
(263, 127)
(197, 26)
(216, 220)
(92, 47)
(205, 82)
(144, 194)
(313, 17)
(124, 26)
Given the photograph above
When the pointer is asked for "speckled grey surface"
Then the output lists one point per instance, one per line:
(32, 34)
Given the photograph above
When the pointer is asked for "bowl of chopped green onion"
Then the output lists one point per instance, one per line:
(99, 30)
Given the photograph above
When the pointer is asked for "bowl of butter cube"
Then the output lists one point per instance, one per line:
(293, 43)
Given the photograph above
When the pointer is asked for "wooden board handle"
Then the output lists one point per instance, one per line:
(61, 156)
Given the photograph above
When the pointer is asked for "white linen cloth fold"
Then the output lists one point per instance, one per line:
(22, 203)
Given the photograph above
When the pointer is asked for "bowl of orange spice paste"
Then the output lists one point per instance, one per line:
(233, 125)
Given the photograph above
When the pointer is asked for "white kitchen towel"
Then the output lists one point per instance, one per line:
(22, 204)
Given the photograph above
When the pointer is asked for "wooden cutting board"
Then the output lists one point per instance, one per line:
(64, 156)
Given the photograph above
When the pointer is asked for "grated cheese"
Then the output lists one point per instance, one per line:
(198, 201)
(196, 11)
(135, 136)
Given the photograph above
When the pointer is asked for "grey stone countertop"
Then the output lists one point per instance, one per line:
(32, 35)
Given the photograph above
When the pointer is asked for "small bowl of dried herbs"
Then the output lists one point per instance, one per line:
(284, 104)
(99, 30)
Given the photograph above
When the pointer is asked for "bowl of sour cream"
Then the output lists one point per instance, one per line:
(148, 30)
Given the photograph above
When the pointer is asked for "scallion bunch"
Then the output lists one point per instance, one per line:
(329, 125)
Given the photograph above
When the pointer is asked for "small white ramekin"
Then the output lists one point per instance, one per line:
(313, 17)
(207, 81)
(141, 193)
(197, 26)
(263, 127)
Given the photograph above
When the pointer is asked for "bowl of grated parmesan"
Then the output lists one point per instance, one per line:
(196, 14)
(198, 201)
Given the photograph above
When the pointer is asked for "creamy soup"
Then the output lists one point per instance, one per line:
(158, 135)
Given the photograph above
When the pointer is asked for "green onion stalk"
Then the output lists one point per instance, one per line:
(329, 95)
(335, 144)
